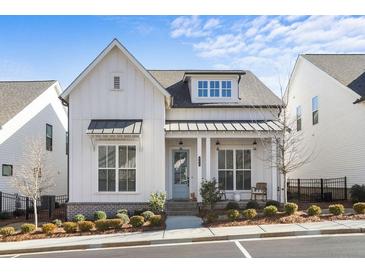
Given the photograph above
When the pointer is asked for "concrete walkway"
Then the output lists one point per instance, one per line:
(192, 234)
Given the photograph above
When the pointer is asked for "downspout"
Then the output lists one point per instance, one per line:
(66, 104)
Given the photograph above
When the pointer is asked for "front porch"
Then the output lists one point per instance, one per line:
(237, 160)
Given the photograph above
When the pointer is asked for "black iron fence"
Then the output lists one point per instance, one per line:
(317, 190)
(49, 206)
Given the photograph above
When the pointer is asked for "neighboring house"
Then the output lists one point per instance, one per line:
(133, 132)
(327, 97)
(31, 109)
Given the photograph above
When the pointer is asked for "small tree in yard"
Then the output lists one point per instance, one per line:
(157, 202)
(210, 193)
(35, 174)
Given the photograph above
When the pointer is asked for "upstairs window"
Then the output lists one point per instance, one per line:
(116, 82)
(214, 88)
(226, 88)
(67, 143)
(7, 170)
(299, 118)
(49, 137)
(203, 88)
(315, 110)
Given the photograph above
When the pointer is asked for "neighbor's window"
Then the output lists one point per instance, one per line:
(117, 164)
(49, 137)
(67, 143)
(7, 170)
(226, 88)
(234, 169)
(299, 118)
(203, 88)
(214, 88)
(315, 110)
(116, 82)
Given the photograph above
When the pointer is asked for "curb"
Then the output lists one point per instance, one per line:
(187, 240)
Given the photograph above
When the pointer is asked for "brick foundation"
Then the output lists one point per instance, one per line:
(110, 209)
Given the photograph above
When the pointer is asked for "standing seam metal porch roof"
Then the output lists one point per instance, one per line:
(114, 126)
(214, 125)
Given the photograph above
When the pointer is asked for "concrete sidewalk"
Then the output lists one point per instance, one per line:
(182, 235)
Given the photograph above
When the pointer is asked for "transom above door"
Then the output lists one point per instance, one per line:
(180, 174)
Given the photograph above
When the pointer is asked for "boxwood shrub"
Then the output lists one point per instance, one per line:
(252, 204)
(147, 215)
(70, 227)
(99, 215)
(291, 208)
(79, 218)
(136, 221)
(122, 211)
(123, 217)
(272, 203)
(57, 222)
(336, 209)
(249, 213)
(314, 210)
(270, 210)
(86, 226)
(27, 228)
(156, 220)
(7, 231)
(233, 215)
(49, 228)
(359, 208)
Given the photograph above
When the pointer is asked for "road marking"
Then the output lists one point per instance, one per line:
(242, 249)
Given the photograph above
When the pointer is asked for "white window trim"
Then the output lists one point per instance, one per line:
(234, 167)
(116, 192)
(220, 97)
(116, 74)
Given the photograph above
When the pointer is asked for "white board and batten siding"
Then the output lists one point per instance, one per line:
(138, 98)
(338, 140)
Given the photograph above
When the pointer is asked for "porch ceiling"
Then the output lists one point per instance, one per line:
(221, 126)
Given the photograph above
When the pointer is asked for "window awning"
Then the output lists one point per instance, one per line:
(115, 127)
(267, 125)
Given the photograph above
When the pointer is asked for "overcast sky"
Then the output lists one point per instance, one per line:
(60, 47)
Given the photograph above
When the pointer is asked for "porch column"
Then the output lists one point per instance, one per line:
(207, 156)
(274, 170)
(199, 164)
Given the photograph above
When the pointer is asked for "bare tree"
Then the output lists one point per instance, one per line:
(35, 175)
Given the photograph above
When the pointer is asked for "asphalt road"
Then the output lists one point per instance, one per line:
(294, 247)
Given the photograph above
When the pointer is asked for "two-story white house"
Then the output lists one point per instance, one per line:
(327, 98)
(32, 110)
(135, 131)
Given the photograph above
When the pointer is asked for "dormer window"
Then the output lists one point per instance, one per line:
(203, 88)
(214, 88)
(226, 88)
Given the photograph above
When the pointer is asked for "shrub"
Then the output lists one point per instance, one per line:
(49, 228)
(291, 208)
(122, 211)
(357, 193)
(210, 193)
(27, 228)
(252, 204)
(123, 217)
(233, 214)
(136, 221)
(114, 223)
(272, 203)
(336, 209)
(101, 225)
(156, 220)
(5, 215)
(86, 226)
(270, 210)
(211, 217)
(140, 211)
(79, 218)
(249, 213)
(70, 227)
(359, 208)
(7, 231)
(314, 210)
(57, 222)
(99, 215)
(147, 215)
(232, 205)
(157, 202)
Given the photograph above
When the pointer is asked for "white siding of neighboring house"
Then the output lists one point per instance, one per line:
(47, 108)
(92, 98)
(338, 140)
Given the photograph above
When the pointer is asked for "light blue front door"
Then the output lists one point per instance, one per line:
(180, 174)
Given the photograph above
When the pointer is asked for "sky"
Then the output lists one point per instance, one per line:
(60, 47)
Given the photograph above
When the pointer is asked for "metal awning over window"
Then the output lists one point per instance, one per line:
(115, 127)
(175, 126)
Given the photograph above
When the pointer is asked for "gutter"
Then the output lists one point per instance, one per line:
(362, 99)
(66, 104)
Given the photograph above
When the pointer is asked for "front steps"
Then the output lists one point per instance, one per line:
(182, 208)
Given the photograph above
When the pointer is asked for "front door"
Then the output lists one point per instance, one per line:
(180, 174)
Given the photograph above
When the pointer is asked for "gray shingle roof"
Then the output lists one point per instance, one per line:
(348, 69)
(252, 91)
(16, 95)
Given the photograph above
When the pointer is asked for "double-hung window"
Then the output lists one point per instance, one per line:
(234, 169)
(7, 170)
(299, 118)
(214, 88)
(226, 88)
(49, 137)
(315, 110)
(117, 168)
(203, 88)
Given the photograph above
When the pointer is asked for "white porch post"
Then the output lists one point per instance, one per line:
(274, 171)
(199, 164)
(207, 156)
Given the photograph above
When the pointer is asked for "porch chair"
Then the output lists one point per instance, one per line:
(259, 190)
